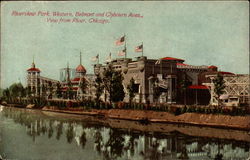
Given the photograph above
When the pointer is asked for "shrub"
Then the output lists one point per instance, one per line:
(173, 109)
(202, 110)
(183, 109)
(177, 111)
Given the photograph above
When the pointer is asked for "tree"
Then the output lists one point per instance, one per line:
(24, 92)
(219, 86)
(112, 81)
(117, 86)
(6, 93)
(99, 88)
(83, 85)
(184, 85)
(17, 90)
(1, 92)
(131, 89)
(156, 89)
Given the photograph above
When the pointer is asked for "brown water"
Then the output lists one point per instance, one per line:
(37, 135)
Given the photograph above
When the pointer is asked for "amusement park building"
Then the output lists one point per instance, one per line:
(170, 73)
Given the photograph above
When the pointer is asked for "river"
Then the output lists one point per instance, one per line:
(39, 135)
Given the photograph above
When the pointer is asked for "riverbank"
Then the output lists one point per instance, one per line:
(166, 128)
(145, 116)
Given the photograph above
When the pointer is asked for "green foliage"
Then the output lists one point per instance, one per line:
(156, 88)
(1, 92)
(6, 93)
(177, 111)
(219, 86)
(99, 88)
(131, 89)
(40, 102)
(83, 85)
(184, 86)
(184, 109)
(112, 81)
(17, 90)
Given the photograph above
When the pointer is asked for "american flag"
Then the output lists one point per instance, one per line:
(122, 53)
(139, 48)
(109, 59)
(94, 59)
(120, 41)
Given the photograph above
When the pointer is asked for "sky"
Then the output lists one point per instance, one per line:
(201, 33)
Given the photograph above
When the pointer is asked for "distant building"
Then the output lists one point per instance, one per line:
(37, 84)
(71, 80)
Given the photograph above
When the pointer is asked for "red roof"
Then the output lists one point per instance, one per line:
(212, 67)
(197, 87)
(80, 68)
(181, 64)
(225, 72)
(171, 58)
(76, 79)
(33, 70)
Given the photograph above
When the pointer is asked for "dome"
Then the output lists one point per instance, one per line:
(80, 69)
(211, 67)
(33, 68)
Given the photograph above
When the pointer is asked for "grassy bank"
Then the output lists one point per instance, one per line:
(147, 116)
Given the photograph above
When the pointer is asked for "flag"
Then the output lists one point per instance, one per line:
(120, 41)
(108, 59)
(94, 59)
(122, 53)
(158, 61)
(139, 48)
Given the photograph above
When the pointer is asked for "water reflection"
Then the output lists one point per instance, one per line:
(115, 143)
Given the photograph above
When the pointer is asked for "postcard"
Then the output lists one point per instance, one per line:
(124, 80)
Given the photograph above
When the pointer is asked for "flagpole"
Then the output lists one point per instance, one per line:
(161, 66)
(125, 50)
(125, 46)
(80, 57)
(142, 49)
(97, 58)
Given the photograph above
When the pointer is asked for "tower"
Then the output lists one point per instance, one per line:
(80, 73)
(33, 79)
(80, 70)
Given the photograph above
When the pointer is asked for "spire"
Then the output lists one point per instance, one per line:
(33, 63)
(68, 74)
(80, 57)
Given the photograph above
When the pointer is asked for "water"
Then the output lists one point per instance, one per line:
(37, 135)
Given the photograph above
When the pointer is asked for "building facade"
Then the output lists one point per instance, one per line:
(39, 85)
(165, 73)
(156, 81)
